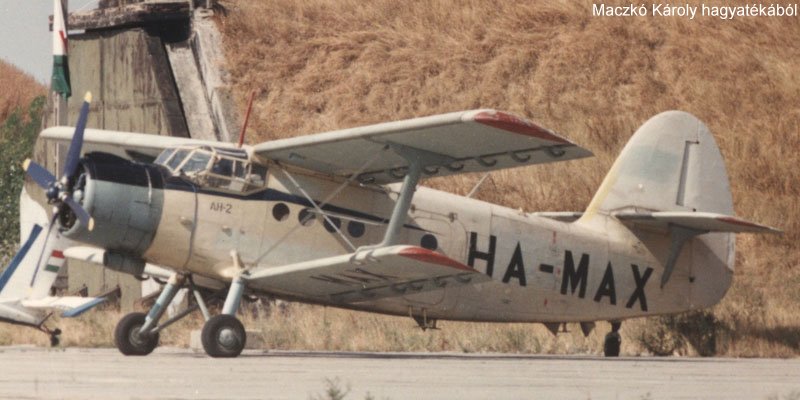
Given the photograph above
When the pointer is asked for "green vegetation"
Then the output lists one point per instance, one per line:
(17, 136)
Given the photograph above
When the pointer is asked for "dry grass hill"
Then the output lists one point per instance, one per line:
(319, 65)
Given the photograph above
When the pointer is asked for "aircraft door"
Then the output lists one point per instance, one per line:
(230, 215)
(172, 244)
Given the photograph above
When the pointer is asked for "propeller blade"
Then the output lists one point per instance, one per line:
(44, 247)
(42, 176)
(82, 215)
(74, 153)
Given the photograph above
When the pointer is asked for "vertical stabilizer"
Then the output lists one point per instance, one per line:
(672, 165)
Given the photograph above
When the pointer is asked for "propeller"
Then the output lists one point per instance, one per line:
(60, 191)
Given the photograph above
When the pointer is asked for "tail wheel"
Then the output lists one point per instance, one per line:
(129, 340)
(223, 336)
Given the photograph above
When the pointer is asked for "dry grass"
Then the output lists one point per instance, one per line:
(17, 89)
(308, 327)
(319, 65)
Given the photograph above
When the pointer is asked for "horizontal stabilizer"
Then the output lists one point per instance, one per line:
(366, 275)
(72, 306)
(700, 221)
(454, 143)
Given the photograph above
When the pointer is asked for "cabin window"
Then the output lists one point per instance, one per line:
(257, 178)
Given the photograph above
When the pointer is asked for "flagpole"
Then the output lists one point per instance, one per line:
(62, 100)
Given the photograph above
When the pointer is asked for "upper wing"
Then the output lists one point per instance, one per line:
(366, 275)
(137, 146)
(465, 141)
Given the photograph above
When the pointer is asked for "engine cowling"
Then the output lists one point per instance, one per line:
(125, 198)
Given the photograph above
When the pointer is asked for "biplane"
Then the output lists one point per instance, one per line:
(339, 219)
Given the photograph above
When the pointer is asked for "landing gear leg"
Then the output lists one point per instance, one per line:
(137, 334)
(52, 333)
(223, 335)
(613, 340)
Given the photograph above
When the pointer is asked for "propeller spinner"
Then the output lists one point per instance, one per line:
(60, 192)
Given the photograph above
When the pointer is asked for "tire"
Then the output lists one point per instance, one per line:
(612, 344)
(128, 340)
(223, 336)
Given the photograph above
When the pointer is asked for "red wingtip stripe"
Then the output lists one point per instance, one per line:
(432, 257)
(57, 254)
(512, 123)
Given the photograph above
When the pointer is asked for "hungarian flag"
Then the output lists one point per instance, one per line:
(60, 80)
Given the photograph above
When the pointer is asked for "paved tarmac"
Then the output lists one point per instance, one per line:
(169, 373)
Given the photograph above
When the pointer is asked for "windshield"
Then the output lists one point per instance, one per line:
(176, 159)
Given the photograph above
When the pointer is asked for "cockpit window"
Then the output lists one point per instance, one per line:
(198, 162)
(239, 170)
(214, 168)
(164, 156)
(222, 166)
(177, 159)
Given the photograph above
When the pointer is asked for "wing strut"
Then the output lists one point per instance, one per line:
(322, 203)
(318, 208)
(403, 202)
(418, 160)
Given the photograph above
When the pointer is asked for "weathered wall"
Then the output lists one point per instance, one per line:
(129, 76)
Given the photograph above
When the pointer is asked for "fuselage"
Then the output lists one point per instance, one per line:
(542, 270)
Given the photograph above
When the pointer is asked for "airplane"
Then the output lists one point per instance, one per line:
(339, 219)
(25, 284)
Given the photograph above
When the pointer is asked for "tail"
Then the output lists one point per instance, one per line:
(669, 186)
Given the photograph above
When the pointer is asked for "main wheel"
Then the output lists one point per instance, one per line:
(223, 336)
(612, 344)
(128, 339)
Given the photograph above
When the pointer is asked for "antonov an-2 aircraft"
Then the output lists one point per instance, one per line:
(338, 219)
